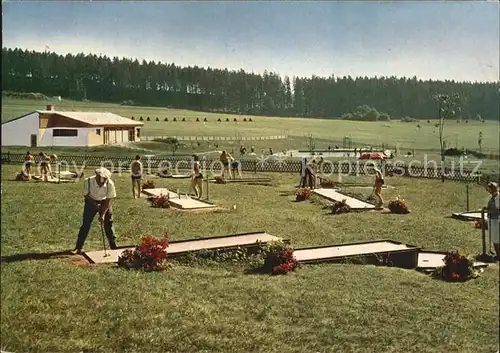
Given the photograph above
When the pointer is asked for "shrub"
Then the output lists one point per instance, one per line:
(279, 259)
(235, 119)
(197, 119)
(132, 118)
(250, 119)
(219, 120)
(183, 119)
(384, 117)
(398, 206)
(481, 225)
(141, 119)
(457, 268)
(157, 119)
(341, 207)
(227, 119)
(162, 201)
(303, 194)
(148, 119)
(166, 119)
(205, 120)
(175, 119)
(244, 119)
(150, 255)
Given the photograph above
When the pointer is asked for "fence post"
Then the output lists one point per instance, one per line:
(467, 188)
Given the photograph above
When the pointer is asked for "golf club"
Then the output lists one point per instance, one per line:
(106, 254)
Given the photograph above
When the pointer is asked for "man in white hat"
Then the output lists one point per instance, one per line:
(98, 192)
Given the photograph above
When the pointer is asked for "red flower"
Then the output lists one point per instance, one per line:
(150, 255)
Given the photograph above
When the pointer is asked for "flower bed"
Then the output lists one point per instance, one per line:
(150, 255)
(477, 225)
(148, 184)
(279, 259)
(398, 206)
(341, 207)
(457, 268)
(303, 194)
(162, 201)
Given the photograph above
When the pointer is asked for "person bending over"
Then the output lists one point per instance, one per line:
(236, 169)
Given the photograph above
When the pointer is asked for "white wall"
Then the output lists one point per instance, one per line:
(47, 139)
(18, 132)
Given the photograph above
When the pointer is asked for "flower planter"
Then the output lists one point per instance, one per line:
(398, 206)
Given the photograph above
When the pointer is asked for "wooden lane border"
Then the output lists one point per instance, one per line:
(244, 180)
(403, 258)
(463, 217)
(228, 248)
(149, 196)
(444, 253)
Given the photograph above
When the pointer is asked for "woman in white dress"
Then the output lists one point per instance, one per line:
(493, 217)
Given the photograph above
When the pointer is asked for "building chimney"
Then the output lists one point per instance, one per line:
(51, 107)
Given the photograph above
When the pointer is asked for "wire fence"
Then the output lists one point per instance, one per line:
(328, 168)
(215, 138)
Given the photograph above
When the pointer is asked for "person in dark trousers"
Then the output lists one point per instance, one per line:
(98, 192)
(306, 175)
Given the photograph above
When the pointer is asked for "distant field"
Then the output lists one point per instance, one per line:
(406, 136)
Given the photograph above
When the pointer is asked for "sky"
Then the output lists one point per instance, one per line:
(431, 40)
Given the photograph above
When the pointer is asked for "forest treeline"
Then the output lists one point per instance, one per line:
(104, 79)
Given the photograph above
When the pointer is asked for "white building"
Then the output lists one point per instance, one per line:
(49, 127)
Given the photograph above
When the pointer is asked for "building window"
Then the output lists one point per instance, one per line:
(65, 133)
(138, 133)
(98, 132)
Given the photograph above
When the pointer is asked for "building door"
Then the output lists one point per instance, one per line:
(106, 136)
(33, 140)
(131, 134)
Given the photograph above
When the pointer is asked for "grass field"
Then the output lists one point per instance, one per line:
(393, 133)
(53, 305)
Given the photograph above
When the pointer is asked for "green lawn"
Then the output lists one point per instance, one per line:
(53, 305)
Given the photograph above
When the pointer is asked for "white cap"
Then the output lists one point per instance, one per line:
(103, 172)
